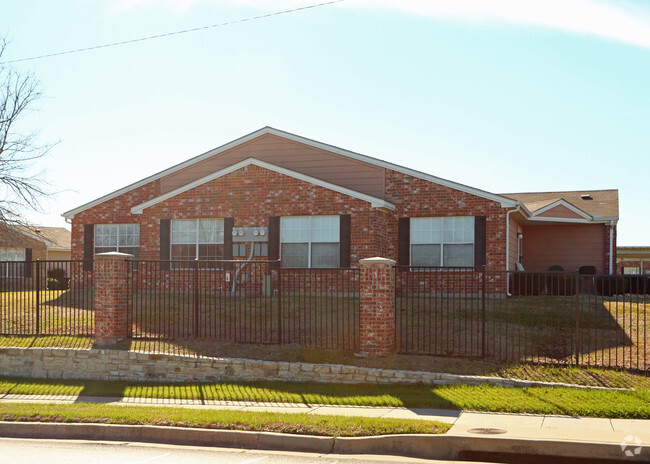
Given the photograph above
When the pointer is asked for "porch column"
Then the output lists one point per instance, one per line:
(111, 297)
(377, 298)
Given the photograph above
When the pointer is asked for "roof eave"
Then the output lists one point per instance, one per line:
(503, 201)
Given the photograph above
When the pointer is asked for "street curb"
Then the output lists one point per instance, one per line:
(450, 447)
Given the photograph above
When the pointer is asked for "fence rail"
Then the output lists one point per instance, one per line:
(244, 302)
(542, 317)
(45, 298)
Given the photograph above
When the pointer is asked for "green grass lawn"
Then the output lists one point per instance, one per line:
(305, 424)
(537, 400)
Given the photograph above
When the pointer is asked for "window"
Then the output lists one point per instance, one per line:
(310, 241)
(11, 269)
(631, 270)
(442, 241)
(193, 239)
(124, 238)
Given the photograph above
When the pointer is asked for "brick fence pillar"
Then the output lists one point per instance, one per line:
(111, 297)
(377, 318)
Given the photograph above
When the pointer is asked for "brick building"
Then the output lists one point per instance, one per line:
(275, 195)
(633, 260)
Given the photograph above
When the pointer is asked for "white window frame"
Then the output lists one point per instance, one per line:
(5, 253)
(197, 241)
(628, 270)
(117, 228)
(310, 240)
(442, 242)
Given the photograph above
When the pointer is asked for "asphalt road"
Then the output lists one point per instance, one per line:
(28, 451)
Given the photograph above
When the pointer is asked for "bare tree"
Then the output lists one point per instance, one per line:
(20, 188)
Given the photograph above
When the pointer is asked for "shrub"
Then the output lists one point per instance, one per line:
(57, 280)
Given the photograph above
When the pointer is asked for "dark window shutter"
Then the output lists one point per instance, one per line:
(165, 244)
(228, 224)
(274, 240)
(404, 241)
(89, 246)
(28, 263)
(344, 245)
(479, 241)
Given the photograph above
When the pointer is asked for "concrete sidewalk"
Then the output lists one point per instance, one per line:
(441, 415)
(473, 435)
(464, 423)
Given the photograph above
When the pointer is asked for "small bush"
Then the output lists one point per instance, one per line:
(57, 280)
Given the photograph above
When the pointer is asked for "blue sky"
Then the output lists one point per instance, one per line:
(503, 95)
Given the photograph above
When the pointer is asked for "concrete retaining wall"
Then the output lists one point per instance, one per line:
(103, 364)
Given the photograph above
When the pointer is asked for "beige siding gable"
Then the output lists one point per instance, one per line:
(560, 211)
(331, 167)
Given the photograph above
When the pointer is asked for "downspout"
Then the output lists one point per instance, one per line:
(508, 248)
(611, 246)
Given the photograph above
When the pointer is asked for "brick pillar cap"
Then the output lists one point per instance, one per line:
(114, 254)
(377, 260)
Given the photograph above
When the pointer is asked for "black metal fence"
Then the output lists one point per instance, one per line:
(543, 317)
(45, 298)
(244, 302)
(320, 308)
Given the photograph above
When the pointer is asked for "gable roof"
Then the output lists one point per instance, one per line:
(374, 202)
(55, 238)
(604, 203)
(504, 201)
(562, 203)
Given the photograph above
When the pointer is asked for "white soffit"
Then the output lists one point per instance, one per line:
(374, 202)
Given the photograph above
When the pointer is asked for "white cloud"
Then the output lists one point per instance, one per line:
(620, 21)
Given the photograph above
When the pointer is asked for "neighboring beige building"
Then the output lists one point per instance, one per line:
(25, 243)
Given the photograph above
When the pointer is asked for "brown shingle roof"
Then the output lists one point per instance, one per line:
(58, 237)
(604, 203)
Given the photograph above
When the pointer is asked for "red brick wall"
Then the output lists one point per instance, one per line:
(642, 266)
(252, 194)
(111, 299)
(377, 308)
(115, 211)
(419, 198)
